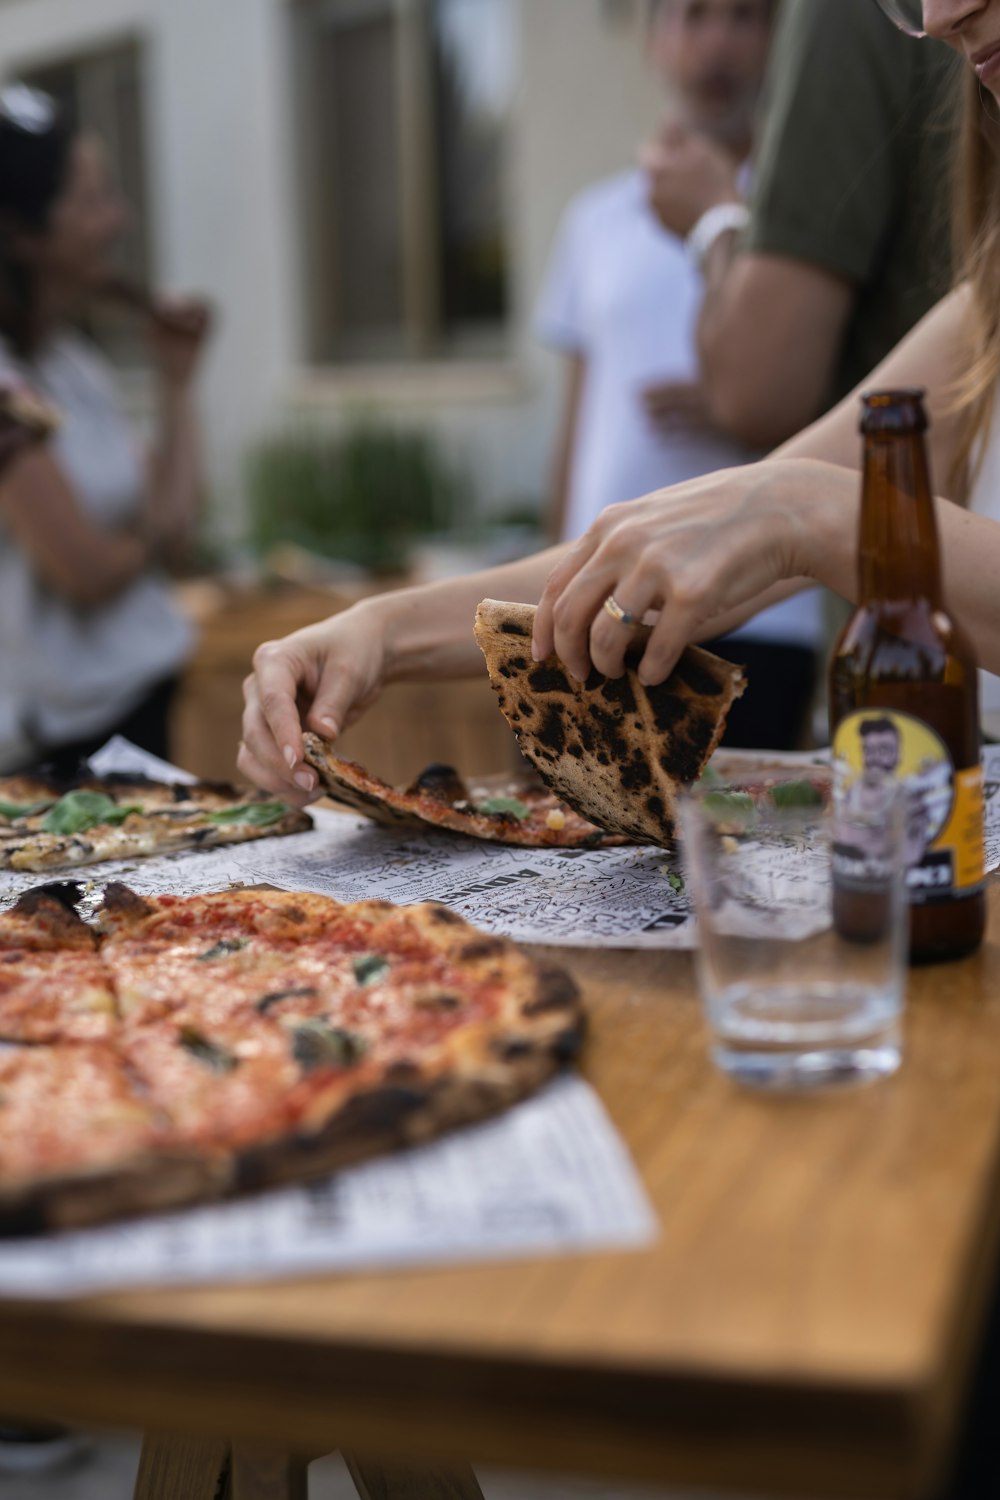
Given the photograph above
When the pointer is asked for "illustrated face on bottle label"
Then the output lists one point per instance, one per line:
(877, 752)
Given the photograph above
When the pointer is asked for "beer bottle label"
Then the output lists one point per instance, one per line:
(942, 811)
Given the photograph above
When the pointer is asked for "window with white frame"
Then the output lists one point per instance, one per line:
(404, 135)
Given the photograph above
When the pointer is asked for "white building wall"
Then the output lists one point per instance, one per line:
(222, 194)
(222, 202)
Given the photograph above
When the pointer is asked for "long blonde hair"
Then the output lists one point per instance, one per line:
(976, 250)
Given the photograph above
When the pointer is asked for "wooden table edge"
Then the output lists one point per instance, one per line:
(639, 1425)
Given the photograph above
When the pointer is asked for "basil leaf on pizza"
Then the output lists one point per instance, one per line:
(510, 807)
(11, 811)
(370, 968)
(723, 805)
(222, 949)
(275, 997)
(317, 1044)
(615, 750)
(255, 814)
(206, 1051)
(795, 794)
(78, 812)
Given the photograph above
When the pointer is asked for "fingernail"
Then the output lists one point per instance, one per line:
(328, 725)
(536, 655)
(304, 780)
(291, 758)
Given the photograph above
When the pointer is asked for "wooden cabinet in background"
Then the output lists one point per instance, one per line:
(411, 725)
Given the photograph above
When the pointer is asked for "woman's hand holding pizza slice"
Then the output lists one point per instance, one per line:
(693, 561)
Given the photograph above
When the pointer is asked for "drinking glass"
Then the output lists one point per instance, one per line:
(798, 992)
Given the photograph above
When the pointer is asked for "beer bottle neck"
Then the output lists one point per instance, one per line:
(898, 557)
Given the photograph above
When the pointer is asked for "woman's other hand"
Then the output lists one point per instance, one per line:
(178, 332)
(320, 678)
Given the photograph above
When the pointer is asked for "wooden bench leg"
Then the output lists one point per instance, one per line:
(378, 1481)
(264, 1474)
(172, 1468)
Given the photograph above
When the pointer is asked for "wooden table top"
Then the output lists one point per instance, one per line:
(805, 1322)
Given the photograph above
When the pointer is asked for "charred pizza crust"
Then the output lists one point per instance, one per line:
(617, 751)
(144, 817)
(262, 1037)
(439, 798)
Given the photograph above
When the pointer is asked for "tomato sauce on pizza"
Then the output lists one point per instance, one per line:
(181, 1049)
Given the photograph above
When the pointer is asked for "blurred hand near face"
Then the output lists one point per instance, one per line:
(178, 331)
(688, 174)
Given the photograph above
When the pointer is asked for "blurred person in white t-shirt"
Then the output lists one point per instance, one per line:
(621, 300)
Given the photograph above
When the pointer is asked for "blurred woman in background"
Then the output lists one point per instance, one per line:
(91, 641)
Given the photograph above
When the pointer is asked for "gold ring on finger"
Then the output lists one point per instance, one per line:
(614, 609)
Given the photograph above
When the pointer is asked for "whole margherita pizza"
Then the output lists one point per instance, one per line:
(48, 823)
(503, 809)
(180, 1049)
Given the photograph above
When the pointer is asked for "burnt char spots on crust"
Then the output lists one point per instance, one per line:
(204, 1045)
(521, 812)
(615, 750)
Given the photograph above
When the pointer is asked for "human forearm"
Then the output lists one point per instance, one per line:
(562, 466)
(768, 335)
(427, 631)
(786, 524)
(175, 480)
(829, 496)
(970, 546)
(708, 553)
(84, 564)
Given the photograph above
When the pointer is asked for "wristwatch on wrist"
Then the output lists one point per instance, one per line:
(721, 218)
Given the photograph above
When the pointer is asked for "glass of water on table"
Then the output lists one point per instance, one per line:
(802, 927)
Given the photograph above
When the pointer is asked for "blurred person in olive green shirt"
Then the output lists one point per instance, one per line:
(846, 243)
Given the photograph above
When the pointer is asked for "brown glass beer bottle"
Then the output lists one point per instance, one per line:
(904, 697)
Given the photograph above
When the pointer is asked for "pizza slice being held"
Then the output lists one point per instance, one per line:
(618, 752)
(514, 809)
